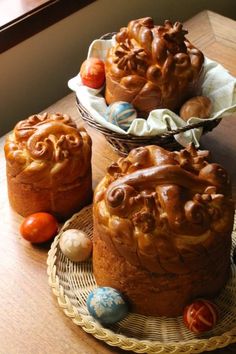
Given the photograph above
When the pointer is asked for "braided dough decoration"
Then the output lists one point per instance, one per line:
(162, 228)
(155, 199)
(46, 153)
(152, 66)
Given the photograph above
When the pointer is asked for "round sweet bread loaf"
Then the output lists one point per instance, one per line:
(48, 166)
(162, 228)
(153, 66)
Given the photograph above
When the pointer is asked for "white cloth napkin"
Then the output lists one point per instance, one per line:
(218, 85)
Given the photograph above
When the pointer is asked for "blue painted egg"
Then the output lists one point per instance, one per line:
(121, 114)
(107, 305)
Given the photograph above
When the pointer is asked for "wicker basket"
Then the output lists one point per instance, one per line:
(71, 282)
(123, 143)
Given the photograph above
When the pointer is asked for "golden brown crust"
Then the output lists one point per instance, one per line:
(199, 106)
(152, 66)
(48, 165)
(160, 294)
(167, 214)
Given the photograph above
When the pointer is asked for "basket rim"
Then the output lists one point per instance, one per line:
(197, 345)
(207, 125)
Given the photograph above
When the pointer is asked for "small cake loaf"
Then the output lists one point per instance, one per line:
(153, 66)
(162, 229)
(48, 166)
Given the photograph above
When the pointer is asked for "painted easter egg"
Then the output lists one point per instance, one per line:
(75, 245)
(39, 227)
(92, 73)
(121, 114)
(107, 305)
(200, 316)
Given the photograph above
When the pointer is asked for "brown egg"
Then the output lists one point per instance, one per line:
(199, 106)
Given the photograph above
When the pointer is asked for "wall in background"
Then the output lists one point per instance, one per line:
(34, 73)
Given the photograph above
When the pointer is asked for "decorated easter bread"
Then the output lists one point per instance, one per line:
(48, 166)
(153, 66)
(162, 229)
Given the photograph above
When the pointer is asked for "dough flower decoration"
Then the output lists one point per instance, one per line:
(152, 66)
(130, 57)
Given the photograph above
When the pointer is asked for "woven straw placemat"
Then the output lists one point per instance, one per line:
(72, 282)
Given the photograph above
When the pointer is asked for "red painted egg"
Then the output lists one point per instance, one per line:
(92, 73)
(200, 316)
(39, 227)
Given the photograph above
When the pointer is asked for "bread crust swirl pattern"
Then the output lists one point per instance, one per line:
(161, 209)
(153, 66)
(48, 165)
(48, 145)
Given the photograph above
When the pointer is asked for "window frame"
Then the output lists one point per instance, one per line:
(35, 20)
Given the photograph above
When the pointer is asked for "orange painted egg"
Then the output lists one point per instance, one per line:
(92, 73)
(39, 227)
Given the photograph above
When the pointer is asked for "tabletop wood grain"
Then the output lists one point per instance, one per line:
(31, 320)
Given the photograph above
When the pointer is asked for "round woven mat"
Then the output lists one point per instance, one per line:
(72, 282)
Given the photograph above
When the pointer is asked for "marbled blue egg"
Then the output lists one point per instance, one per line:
(121, 114)
(107, 305)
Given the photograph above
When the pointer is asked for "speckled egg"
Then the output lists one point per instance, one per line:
(107, 305)
(75, 245)
(121, 114)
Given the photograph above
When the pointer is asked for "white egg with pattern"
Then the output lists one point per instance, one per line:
(75, 245)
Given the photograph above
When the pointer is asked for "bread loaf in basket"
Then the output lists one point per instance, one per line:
(153, 66)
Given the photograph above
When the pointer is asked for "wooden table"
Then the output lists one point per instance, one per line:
(31, 320)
